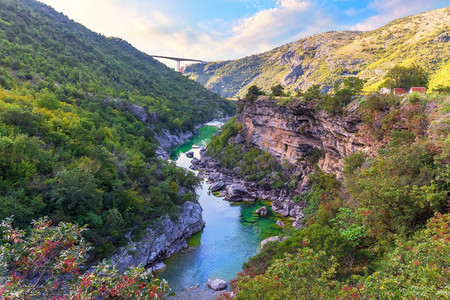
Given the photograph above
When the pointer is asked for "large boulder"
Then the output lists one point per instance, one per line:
(262, 211)
(217, 186)
(190, 154)
(280, 223)
(239, 139)
(235, 192)
(217, 284)
(158, 267)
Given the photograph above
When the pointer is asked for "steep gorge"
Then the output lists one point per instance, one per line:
(292, 133)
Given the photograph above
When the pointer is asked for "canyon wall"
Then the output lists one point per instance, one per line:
(296, 131)
(163, 239)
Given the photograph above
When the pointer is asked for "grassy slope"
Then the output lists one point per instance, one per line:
(325, 57)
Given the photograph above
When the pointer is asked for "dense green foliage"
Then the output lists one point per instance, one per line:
(44, 48)
(91, 164)
(78, 117)
(415, 269)
(48, 263)
(380, 233)
(406, 77)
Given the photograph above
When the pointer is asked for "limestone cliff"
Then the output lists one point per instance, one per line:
(167, 237)
(293, 132)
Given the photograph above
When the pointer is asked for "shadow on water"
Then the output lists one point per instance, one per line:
(231, 235)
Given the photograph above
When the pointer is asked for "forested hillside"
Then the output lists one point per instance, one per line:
(78, 113)
(382, 230)
(329, 57)
(48, 51)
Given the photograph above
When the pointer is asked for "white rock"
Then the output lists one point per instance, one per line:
(217, 284)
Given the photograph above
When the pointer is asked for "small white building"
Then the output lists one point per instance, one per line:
(385, 90)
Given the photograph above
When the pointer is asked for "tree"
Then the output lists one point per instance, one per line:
(47, 263)
(313, 92)
(47, 100)
(406, 77)
(253, 92)
(76, 194)
(277, 90)
(355, 84)
(306, 275)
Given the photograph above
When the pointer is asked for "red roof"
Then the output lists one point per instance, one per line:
(399, 91)
(418, 89)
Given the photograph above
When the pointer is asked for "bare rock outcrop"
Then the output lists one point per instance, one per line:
(292, 133)
(217, 284)
(162, 240)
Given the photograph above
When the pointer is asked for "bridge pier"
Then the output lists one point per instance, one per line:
(178, 60)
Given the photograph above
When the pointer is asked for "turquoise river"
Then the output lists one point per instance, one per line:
(231, 234)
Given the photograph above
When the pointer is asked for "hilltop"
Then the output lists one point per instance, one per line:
(328, 57)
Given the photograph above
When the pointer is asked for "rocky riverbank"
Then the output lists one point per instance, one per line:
(235, 188)
(163, 239)
(168, 140)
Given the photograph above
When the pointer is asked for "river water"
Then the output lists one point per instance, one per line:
(231, 234)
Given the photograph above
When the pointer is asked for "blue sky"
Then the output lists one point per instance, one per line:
(229, 29)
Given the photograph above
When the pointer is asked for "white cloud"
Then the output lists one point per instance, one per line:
(156, 33)
(263, 30)
(388, 10)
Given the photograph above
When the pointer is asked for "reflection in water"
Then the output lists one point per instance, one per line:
(231, 235)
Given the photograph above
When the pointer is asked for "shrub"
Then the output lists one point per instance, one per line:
(261, 261)
(48, 263)
(319, 238)
(352, 162)
(313, 93)
(378, 102)
(305, 273)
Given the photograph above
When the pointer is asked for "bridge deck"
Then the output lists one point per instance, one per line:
(178, 58)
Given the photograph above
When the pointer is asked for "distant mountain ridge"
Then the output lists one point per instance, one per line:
(328, 57)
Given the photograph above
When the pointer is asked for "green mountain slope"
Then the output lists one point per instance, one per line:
(328, 57)
(43, 47)
(78, 115)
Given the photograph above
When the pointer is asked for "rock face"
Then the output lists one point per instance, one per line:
(217, 284)
(162, 240)
(168, 140)
(262, 211)
(292, 133)
(236, 192)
